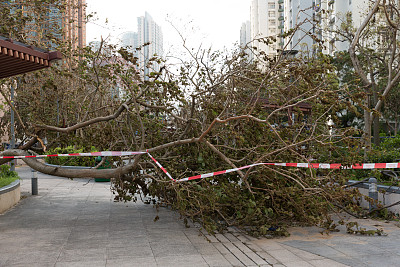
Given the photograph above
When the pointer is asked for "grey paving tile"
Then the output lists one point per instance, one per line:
(253, 247)
(29, 257)
(127, 241)
(194, 260)
(162, 250)
(268, 245)
(222, 238)
(326, 263)
(284, 256)
(383, 260)
(267, 257)
(233, 260)
(231, 237)
(298, 264)
(255, 258)
(81, 263)
(196, 237)
(349, 261)
(221, 248)
(76, 255)
(305, 255)
(85, 244)
(140, 251)
(209, 237)
(33, 264)
(239, 254)
(216, 260)
(206, 248)
(3, 258)
(317, 248)
(132, 262)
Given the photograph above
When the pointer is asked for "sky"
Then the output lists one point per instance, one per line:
(208, 23)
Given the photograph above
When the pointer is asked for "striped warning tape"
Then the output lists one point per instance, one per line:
(91, 154)
(365, 166)
(161, 167)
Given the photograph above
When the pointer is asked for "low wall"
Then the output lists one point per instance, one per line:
(9, 196)
(391, 195)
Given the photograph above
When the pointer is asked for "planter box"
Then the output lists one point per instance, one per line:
(101, 179)
(9, 196)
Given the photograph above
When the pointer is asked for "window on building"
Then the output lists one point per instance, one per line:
(271, 14)
(272, 22)
(271, 5)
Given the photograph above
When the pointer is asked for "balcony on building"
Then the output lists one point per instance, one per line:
(280, 18)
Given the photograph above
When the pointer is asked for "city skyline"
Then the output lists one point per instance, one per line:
(211, 23)
(315, 19)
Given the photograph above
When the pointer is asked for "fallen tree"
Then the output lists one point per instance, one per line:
(214, 112)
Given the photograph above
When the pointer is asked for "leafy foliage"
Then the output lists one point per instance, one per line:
(70, 161)
(7, 176)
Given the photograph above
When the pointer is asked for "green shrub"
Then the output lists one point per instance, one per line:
(387, 152)
(70, 161)
(7, 176)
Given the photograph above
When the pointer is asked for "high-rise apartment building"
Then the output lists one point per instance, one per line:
(264, 21)
(338, 11)
(74, 22)
(303, 14)
(245, 38)
(150, 39)
(320, 19)
(313, 19)
(66, 22)
(130, 41)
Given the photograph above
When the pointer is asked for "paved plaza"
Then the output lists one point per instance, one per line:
(77, 223)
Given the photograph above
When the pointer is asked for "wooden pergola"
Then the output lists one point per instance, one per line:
(18, 58)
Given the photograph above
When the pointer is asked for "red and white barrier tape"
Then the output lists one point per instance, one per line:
(102, 153)
(161, 167)
(364, 166)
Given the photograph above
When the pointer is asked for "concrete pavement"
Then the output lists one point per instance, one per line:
(77, 223)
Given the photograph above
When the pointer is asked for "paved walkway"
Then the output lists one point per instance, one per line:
(76, 223)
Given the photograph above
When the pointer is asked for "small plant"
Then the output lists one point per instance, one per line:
(7, 176)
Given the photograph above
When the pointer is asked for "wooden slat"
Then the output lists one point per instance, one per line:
(18, 59)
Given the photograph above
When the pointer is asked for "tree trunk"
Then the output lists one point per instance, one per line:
(367, 130)
(375, 118)
(377, 139)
